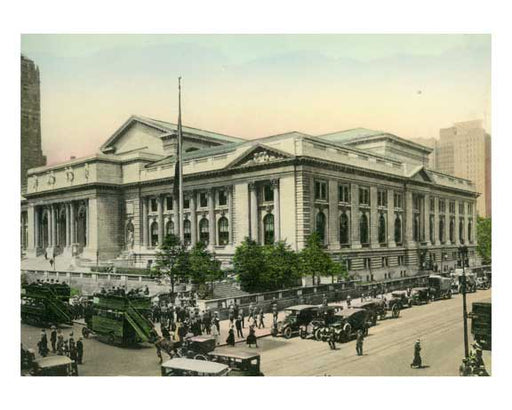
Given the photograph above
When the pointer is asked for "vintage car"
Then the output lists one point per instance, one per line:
(296, 316)
(482, 283)
(439, 287)
(324, 317)
(400, 297)
(420, 296)
(196, 347)
(346, 324)
(241, 363)
(54, 366)
(376, 308)
(190, 367)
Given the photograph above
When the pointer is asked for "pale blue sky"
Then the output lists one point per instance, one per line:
(258, 85)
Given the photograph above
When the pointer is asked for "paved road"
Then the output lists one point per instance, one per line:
(388, 348)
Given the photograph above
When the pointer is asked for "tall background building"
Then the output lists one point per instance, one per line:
(31, 152)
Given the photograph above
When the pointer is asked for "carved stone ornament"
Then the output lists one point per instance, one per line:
(269, 209)
(86, 172)
(70, 175)
(51, 178)
(35, 182)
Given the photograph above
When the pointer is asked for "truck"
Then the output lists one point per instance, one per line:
(120, 319)
(439, 287)
(481, 323)
(45, 304)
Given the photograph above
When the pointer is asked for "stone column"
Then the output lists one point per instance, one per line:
(374, 219)
(175, 209)
(31, 224)
(72, 236)
(160, 209)
(437, 237)
(211, 218)
(230, 190)
(277, 210)
(426, 219)
(466, 220)
(50, 224)
(447, 217)
(354, 211)
(253, 211)
(88, 221)
(193, 219)
(68, 241)
(145, 222)
(333, 231)
(408, 218)
(391, 219)
(456, 232)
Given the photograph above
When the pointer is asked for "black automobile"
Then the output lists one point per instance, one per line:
(346, 324)
(376, 308)
(401, 298)
(296, 316)
(420, 296)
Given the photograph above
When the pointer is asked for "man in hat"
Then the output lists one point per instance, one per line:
(238, 325)
(79, 350)
(53, 338)
(60, 343)
(359, 342)
(416, 362)
(43, 344)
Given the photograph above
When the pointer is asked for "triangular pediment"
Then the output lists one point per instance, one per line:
(259, 155)
(421, 175)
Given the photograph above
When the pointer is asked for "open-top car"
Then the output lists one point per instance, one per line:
(54, 366)
(196, 347)
(296, 316)
(420, 296)
(190, 367)
(346, 324)
(241, 362)
(376, 308)
(401, 297)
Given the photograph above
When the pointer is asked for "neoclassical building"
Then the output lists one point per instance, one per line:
(367, 193)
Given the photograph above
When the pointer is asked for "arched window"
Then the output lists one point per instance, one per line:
(398, 229)
(187, 233)
(154, 233)
(441, 229)
(416, 228)
(363, 229)
(320, 226)
(344, 229)
(204, 231)
(470, 229)
(431, 229)
(268, 229)
(169, 228)
(382, 229)
(452, 230)
(461, 230)
(223, 231)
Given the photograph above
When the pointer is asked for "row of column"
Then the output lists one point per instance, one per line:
(190, 213)
(254, 214)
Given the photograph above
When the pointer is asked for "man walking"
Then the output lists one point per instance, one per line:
(43, 344)
(332, 339)
(79, 350)
(53, 338)
(416, 361)
(359, 342)
(261, 316)
(238, 325)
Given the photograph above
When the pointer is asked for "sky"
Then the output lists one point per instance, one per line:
(253, 86)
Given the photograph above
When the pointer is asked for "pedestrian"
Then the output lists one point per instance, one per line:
(261, 317)
(274, 315)
(231, 337)
(215, 333)
(359, 342)
(60, 343)
(251, 312)
(332, 339)
(242, 314)
(216, 321)
(53, 338)
(238, 325)
(362, 297)
(349, 300)
(146, 290)
(43, 344)
(416, 362)
(251, 339)
(79, 350)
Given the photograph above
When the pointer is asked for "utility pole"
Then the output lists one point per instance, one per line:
(463, 250)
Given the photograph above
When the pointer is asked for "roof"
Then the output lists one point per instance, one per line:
(301, 307)
(349, 135)
(53, 361)
(234, 353)
(202, 366)
(348, 312)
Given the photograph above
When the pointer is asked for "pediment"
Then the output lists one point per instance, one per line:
(421, 176)
(259, 155)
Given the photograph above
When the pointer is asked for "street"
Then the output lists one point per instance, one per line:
(388, 350)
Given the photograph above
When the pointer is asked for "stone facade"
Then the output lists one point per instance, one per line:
(378, 213)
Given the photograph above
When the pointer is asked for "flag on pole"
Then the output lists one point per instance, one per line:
(178, 169)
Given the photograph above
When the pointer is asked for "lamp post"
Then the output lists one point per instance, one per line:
(463, 251)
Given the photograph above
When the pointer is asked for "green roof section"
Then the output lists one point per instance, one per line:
(350, 135)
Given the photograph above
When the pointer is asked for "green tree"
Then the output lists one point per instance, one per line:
(484, 239)
(171, 260)
(339, 270)
(249, 265)
(203, 266)
(281, 267)
(314, 260)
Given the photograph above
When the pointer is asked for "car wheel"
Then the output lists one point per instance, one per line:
(287, 332)
(303, 334)
(85, 332)
(200, 357)
(318, 334)
(395, 312)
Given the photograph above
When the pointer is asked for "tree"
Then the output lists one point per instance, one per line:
(203, 266)
(249, 264)
(484, 239)
(281, 267)
(339, 270)
(172, 260)
(314, 261)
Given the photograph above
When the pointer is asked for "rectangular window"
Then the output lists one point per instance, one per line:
(382, 198)
(398, 200)
(470, 209)
(223, 198)
(186, 203)
(268, 193)
(364, 196)
(168, 202)
(416, 202)
(452, 207)
(401, 261)
(367, 263)
(344, 193)
(385, 262)
(432, 204)
(203, 199)
(154, 205)
(349, 264)
(442, 205)
(321, 190)
(461, 208)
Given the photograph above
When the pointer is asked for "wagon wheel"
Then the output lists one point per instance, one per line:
(85, 332)
(395, 312)
(345, 334)
(287, 332)
(318, 334)
(200, 357)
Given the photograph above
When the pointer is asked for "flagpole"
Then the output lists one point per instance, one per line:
(180, 159)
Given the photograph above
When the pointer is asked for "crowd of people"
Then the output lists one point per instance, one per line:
(60, 345)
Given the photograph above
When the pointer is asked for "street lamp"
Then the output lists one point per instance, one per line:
(463, 252)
